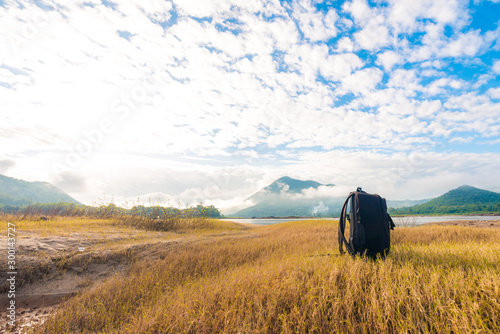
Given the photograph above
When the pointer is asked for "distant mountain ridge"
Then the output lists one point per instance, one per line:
(14, 192)
(286, 185)
(283, 198)
(462, 200)
(286, 197)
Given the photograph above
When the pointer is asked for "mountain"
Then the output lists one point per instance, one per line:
(290, 197)
(285, 197)
(14, 192)
(463, 200)
(284, 185)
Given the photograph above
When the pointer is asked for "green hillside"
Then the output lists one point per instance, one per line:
(463, 200)
(14, 192)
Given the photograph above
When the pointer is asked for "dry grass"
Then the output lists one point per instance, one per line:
(177, 223)
(289, 278)
(47, 247)
(64, 226)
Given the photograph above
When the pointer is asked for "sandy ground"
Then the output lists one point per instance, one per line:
(51, 269)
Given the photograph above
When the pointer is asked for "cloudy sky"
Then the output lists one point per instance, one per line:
(197, 100)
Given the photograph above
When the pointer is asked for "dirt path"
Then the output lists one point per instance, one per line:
(52, 269)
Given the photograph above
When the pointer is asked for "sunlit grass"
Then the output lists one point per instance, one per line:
(289, 278)
(103, 240)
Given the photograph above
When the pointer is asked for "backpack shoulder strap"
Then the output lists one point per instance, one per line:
(391, 223)
(341, 235)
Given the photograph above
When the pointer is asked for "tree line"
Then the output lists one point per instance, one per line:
(111, 210)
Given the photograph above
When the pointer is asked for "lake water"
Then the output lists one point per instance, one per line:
(265, 221)
(436, 219)
(416, 220)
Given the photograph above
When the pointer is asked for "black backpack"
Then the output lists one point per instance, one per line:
(370, 225)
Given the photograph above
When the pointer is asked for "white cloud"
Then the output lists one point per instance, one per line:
(231, 95)
(406, 81)
(482, 80)
(467, 44)
(323, 192)
(338, 67)
(462, 140)
(440, 86)
(319, 209)
(494, 93)
(388, 59)
(6, 164)
(71, 182)
(201, 8)
(315, 26)
(404, 14)
(345, 44)
(374, 35)
(362, 81)
(428, 109)
(496, 67)
(405, 175)
(359, 10)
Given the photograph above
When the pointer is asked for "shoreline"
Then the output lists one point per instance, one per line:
(467, 223)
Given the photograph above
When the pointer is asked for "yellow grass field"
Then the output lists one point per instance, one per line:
(286, 278)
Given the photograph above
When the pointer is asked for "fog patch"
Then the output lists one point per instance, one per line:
(6, 164)
(324, 192)
(71, 182)
(319, 209)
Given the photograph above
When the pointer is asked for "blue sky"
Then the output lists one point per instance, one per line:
(211, 100)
